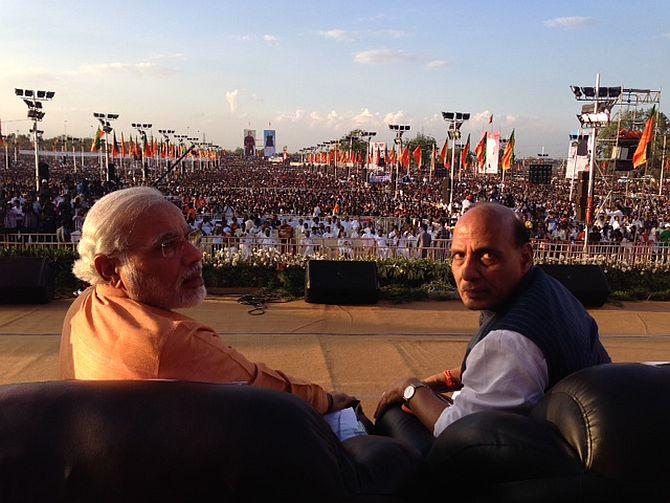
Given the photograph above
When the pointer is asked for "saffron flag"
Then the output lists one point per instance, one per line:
(147, 149)
(480, 151)
(95, 145)
(465, 154)
(444, 155)
(123, 146)
(392, 157)
(115, 146)
(640, 155)
(432, 159)
(508, 156)
(404, 158)
(417, 157)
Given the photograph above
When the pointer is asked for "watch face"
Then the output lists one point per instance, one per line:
(409, 392)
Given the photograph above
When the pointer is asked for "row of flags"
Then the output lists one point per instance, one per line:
(153, 148)
(405, 158)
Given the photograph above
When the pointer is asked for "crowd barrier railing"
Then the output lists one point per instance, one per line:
(361, 248)
(24, 241)
(632, 254)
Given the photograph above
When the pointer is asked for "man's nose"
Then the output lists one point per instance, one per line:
(469, 271)
(191, 254)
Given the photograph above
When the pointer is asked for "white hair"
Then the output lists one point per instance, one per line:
(108, 226)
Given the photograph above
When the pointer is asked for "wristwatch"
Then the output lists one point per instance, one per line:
(410, 390)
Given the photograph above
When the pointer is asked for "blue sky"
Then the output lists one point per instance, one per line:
(315, 70)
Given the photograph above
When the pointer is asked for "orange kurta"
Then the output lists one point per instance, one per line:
(108, 336)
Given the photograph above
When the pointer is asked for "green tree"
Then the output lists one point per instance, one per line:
(426, 143)
(635, 120)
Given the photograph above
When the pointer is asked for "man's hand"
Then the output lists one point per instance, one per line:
(394, 395)
(342, 401)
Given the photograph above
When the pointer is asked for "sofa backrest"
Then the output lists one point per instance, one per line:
(616, 417)
(165, 441)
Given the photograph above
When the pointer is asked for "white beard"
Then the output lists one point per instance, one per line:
(148, 290)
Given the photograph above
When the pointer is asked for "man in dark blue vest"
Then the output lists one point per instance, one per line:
(532, 333)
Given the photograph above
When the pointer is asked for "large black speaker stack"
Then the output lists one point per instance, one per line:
(585, 281)
(540, 174)
(341, 282)
(582, 194)
(26, 280)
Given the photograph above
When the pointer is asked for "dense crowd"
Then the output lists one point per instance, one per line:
(252, 198)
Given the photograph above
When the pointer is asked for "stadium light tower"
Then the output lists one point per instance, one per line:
(367, 136)
(141, 128)
(106, 123)
(166, 134)
(34, 99)
(593, 116)
(455, 120)
(399, 130)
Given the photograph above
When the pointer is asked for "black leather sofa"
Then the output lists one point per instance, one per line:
(188, 442)
(601, 434)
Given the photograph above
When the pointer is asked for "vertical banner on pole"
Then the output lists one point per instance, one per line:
(249, 142)
(269, 142)
(492, 152)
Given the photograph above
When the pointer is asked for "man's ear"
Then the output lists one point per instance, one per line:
(107, 269)
(527, 256)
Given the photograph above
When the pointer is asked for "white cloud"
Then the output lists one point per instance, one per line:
(398, 117)
(511, 119)
(391, 33)
(270, 39)
(297, 116)
(336, 34)
(569, 23)
(666, 35)
(436, 63)
(482, 117)
(384, 56)
(315, 116)
(365, 117)
(177, 56)
(231, 98)
(141, 69)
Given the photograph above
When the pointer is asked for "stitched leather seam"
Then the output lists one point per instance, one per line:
(587, 432)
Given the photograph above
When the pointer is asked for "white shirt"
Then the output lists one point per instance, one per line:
(504, 371)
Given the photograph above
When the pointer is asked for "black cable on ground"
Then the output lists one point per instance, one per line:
(259, 302)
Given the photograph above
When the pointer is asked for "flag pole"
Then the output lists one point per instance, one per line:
(592, 162)
(660, 184)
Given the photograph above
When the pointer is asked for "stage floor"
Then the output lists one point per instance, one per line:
(356, 349)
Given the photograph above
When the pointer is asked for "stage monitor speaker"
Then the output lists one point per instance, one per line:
(540, 174)
(26, 280)
(341, 282)
(43, 171)
(587, 282)
(111, 172)
(583, 184)
(580, 209)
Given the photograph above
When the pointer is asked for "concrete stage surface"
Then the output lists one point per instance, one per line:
(356, 349)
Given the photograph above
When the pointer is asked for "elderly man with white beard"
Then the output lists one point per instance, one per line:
(142, 261)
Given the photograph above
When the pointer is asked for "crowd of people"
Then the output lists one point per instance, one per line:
(252, 199)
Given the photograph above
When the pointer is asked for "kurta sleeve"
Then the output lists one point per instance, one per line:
(196, 353)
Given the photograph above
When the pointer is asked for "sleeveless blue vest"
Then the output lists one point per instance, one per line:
(545, 312)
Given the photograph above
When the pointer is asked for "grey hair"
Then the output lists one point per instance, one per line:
(108, 226)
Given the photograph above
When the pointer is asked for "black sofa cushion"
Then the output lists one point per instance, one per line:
(175, 441)
(616, 417)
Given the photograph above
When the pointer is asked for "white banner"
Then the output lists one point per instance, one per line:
(492, 152)
(578, 154)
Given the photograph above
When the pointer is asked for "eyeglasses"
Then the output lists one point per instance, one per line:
(170, 247)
